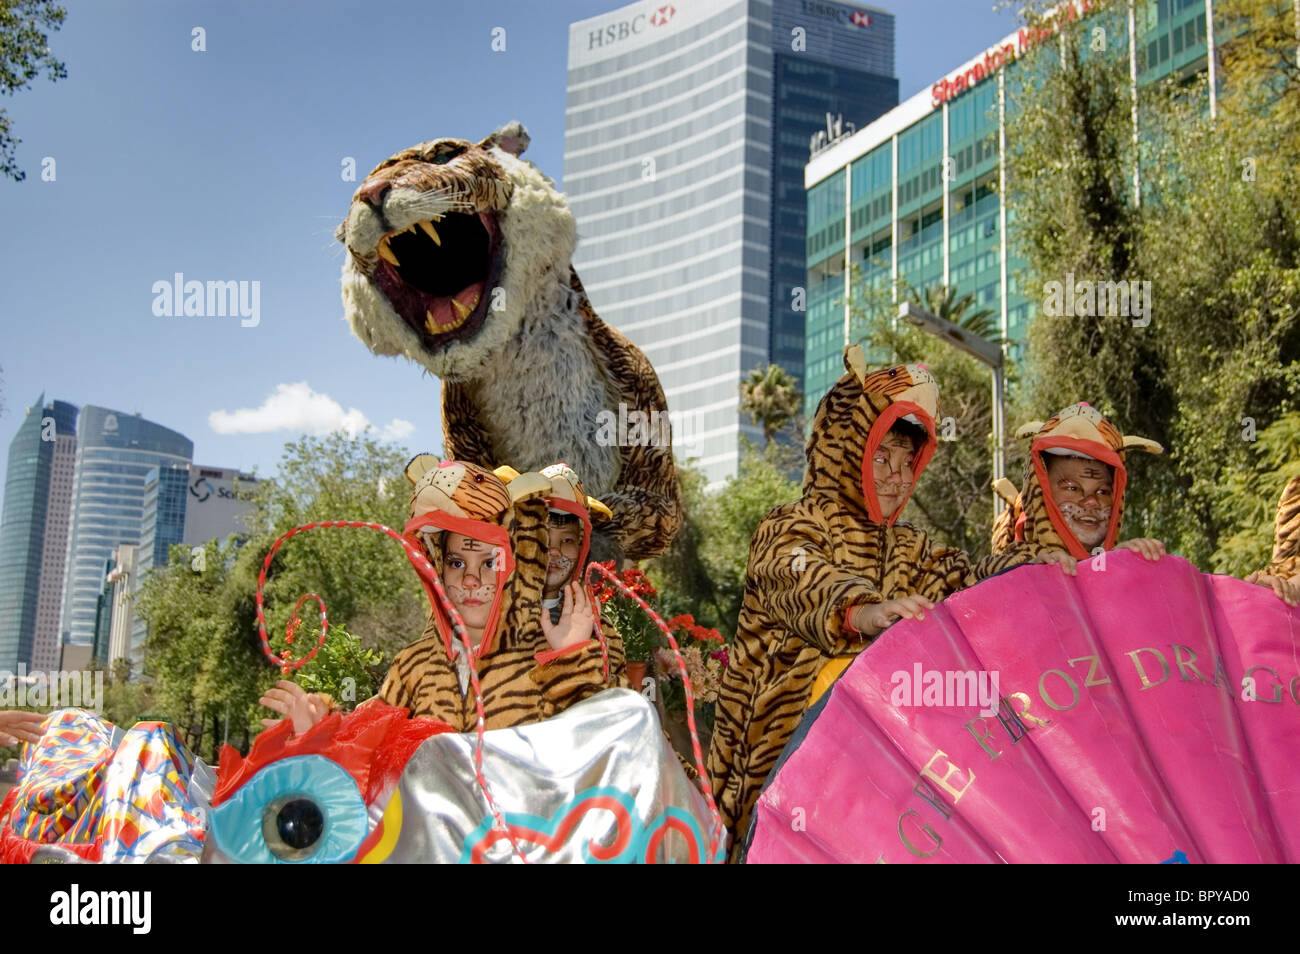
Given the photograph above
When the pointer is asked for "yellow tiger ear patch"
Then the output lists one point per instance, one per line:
(1133, 442)
(506, 473)
(420, 465)
(527, 485)
(1006, 490)
(856, 361)
(1030, 429)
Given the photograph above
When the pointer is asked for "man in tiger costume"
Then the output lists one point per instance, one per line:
(1283, 570)
(1079, 456)
(828, 572)
(459, 258)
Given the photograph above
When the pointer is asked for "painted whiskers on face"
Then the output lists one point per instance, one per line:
(1089, 525)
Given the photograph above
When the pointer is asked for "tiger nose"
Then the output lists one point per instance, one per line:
(372, 192)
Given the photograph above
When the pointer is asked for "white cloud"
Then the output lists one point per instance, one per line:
(397, 429)
(296, 407)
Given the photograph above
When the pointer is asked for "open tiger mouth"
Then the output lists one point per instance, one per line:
(438, 274)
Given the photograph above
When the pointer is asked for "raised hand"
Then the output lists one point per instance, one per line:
(576, 619)
(289, 699)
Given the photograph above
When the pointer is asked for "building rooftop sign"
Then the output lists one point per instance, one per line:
(834, 156)
(975, 71)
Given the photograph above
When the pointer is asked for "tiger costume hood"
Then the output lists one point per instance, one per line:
(459, 258)
(1033, 521)
(852, 420)
(810, 562)
(522, 678)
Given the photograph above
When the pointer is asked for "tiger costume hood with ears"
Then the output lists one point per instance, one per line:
(854, 418)
(522, 678)
(1033, 521)
(568, 496)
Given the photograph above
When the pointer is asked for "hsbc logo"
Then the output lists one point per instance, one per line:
(616, 32)
(853, 18)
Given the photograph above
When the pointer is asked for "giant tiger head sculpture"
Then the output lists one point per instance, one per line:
(449, 244)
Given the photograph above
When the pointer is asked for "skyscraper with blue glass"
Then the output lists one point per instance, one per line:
(115, 451)
(918, 194)
(33, 534)
(686, 131)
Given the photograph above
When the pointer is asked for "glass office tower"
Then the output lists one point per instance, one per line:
(686, 131)
(878, 199)
(114, 453)
(33, 534)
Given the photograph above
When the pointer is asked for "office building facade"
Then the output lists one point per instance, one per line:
(115, 452)
(183, 504)
(685, 132)
(919, 194)
(33, 534)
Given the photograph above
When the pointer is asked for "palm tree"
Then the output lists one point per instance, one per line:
(944, 302)
(771, 397)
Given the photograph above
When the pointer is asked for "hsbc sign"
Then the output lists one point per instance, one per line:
(616, 32)
(828, 11)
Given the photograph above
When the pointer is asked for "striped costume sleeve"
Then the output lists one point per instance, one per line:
(797, 582)
(565, 677)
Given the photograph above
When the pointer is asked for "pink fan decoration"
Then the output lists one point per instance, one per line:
(1140, 712)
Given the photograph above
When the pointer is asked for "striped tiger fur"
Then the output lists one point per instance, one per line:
(522, 678)
(810, 561)
(460, 260)
(1286, 533)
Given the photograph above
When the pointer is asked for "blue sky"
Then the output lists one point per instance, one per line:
(225, 165)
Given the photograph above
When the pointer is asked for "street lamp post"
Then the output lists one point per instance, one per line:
(982, 350)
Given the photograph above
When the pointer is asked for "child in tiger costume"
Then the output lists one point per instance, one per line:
(831, 570)
(1079, 456)
(1283, 570)
(486, 535)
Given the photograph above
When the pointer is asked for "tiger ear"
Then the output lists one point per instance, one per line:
(856, 361)
(1030, 429)
(1133, 442)
(420, 465)
(527, 485)
(506, 473)
(512, 138)
(1006, 490)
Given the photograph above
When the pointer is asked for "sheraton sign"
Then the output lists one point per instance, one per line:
(1016, 45)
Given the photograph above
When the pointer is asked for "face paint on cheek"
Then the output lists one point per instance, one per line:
(1088, 525)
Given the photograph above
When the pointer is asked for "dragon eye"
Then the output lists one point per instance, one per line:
(292, 827)
(301, 809)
